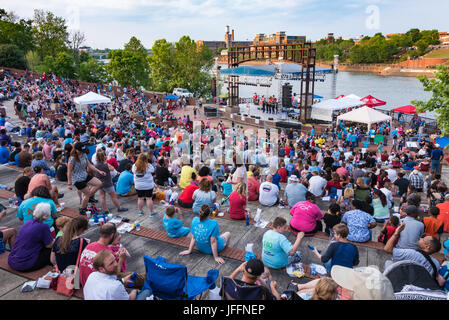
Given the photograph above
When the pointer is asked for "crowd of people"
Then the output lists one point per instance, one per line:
(137, 146)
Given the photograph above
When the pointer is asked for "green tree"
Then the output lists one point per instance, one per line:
(432, 37)
(415, 34)
(15, 31)
(129, 68)
(47, 66)
(440, 98)
(84, 57)
(134, 45)
(33, 61)
(64, 65)
(49, 33)
(162, 64)
(422, 45)
(11, 56)
(93, 71)
(193, 63)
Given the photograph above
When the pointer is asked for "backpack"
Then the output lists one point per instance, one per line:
(234, 289)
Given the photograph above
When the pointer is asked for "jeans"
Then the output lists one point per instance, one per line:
(435, 165)
(144, 294)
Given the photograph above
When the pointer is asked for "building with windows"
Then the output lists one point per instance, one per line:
(277, 38)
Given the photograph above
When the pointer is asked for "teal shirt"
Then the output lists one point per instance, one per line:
(202, 231)
(27, 207)
(174, 227)
(275, 249)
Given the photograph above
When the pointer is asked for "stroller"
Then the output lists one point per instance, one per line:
(170, 281)
(412, 281)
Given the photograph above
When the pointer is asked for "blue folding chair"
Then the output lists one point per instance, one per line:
(170, 281)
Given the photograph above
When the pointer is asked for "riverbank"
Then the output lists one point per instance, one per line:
(383, 69)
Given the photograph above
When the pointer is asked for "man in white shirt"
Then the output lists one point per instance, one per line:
(317, 184)
(392, 173)
(103, 284)
(268, 192)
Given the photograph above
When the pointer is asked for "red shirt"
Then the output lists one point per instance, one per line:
(253, 189)
(444, 214)
(284, 174)
(236, 204)
(187, 194)
(334, 184)
(87, 259)
(113, 162)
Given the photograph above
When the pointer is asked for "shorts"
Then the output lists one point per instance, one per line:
(80, 185)
(108, 190)
(144, 193)
(225, 242)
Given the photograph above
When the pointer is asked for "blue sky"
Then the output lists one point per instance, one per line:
(110, 23)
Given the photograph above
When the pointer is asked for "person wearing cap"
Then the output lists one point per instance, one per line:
(78, 175)
(365, 283)
(436, 157)
(422, 254)
(414, 229)
(251, 271)
(416, 180)
(295, 191)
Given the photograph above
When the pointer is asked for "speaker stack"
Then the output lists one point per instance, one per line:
(287, 95)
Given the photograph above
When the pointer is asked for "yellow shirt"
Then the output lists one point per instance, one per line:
(186, 176)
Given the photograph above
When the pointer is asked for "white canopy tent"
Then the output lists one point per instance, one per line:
(364, 115)
(324, 110)
(91, 98)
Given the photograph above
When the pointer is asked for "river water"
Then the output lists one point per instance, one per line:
(396, 91)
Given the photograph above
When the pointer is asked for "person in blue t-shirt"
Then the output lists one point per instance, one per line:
(340, 252)
(436, 156)
(206, 235)
(4, 152)
(276, 248)
(125, 184)
(26, 208)
(174, 226)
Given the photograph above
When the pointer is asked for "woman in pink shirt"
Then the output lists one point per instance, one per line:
(306, 216)
(47, 149)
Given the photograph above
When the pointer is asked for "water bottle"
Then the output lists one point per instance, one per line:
(2, 246)
(247, 220)
(312, 270)
(10, 202)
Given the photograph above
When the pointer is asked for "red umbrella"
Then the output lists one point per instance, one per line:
(370, 101)
(340, 96)
(406, 109)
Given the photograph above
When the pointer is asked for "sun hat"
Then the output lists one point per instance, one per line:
(366, 283)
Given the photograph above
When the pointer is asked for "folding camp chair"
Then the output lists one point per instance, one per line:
(170, 281)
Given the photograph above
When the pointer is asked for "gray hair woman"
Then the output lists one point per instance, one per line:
(32, 248)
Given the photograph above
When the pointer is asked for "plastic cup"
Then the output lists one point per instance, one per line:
(62, 205)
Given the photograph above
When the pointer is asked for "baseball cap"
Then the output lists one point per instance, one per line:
(366, 283)
(255, 267)
(294, 178)
(80, 147)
